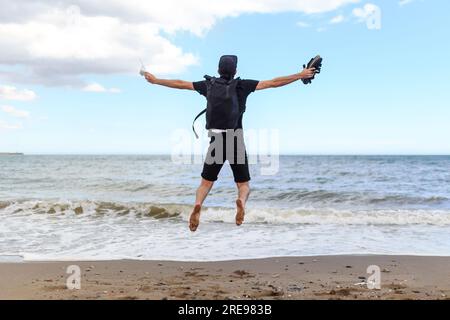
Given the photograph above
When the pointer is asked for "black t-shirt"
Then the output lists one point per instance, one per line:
(243, 88)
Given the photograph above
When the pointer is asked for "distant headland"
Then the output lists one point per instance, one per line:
(11, 154)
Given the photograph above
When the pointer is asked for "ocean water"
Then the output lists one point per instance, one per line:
(137, 207)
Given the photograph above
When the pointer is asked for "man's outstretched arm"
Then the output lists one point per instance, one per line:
(176, 84)
(282, 81)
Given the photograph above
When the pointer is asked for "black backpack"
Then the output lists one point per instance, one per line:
(222, 110)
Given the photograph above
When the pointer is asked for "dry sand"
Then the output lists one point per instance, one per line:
(322, 277)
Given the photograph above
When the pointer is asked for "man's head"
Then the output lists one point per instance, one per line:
(228, 66)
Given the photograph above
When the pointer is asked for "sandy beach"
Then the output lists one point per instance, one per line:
(321, 277)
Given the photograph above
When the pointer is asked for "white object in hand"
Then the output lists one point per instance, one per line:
(143, 71)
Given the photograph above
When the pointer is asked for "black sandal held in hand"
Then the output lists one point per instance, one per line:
(315, 63)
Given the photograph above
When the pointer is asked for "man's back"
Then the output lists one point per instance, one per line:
(244, 88)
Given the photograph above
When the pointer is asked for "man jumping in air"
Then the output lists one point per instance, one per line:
(226, 97)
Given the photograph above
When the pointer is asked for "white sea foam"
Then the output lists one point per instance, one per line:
(331, 216)
(219, 214)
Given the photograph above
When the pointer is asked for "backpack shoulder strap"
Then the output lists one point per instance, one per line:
(235, 80)
(198, 116)
(209, 80)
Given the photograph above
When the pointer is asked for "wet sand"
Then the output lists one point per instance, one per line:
(321, 277)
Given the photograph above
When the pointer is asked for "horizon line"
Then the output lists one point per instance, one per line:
(281, 154)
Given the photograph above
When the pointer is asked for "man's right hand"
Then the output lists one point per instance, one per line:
(150, 77)
(307, 73)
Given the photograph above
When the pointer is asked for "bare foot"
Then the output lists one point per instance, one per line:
(240, 212)
(194, 220)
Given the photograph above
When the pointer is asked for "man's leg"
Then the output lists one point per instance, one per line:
(239, 165)
(202, 193)
(211, 169)
(243, 193)
(241, 175)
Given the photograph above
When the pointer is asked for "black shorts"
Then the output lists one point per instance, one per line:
(236, 156)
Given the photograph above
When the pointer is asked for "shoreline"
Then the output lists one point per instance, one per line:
(19, 259)
(310, 277)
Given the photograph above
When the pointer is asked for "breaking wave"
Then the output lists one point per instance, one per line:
(180, 212)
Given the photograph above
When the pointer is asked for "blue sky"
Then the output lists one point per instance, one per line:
(382, 91)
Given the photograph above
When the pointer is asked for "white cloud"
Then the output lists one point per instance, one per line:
(365, 12)
(15, 112)
(303, 24)
(12, 93)
(7, 126)
(370, 14)
(96, 87)
(338, 19)
(56, 42)
(404, 2)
